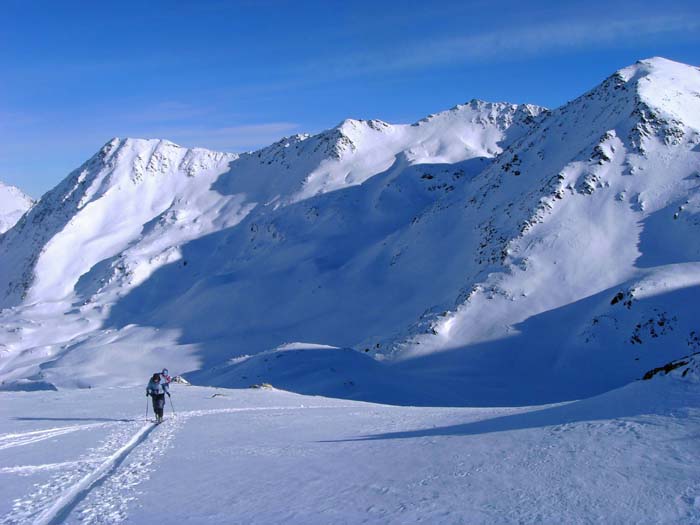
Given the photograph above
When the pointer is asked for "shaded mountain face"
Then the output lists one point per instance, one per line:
(13, 204)
(590, 246)
(492, 253)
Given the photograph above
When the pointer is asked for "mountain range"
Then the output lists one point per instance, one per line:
(491, 254)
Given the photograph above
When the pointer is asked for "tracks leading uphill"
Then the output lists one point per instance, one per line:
(27, 438)
(62, 507)
(98, 487)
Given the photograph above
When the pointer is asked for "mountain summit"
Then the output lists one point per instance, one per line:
(13, 204)
(492, 253)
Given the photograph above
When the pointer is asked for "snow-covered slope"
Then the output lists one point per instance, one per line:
(115, 200)
(13, 204)
(490, 254)
(589, 247)
(606, 186)
(139, 205)
(268, 456)
(303, 166)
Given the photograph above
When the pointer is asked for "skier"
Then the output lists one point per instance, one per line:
(165, 376)
(157, 388)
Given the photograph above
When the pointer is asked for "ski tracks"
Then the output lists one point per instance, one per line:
(28, 508)
(107, 500)
(97, 489)
(27, 438)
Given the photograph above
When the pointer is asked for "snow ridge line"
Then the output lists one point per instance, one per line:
(70, 496)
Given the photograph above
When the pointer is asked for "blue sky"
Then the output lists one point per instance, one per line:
(238, 75)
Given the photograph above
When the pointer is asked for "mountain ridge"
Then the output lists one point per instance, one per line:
(430, 245)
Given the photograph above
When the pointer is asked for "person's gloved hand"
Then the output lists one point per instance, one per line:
(147, 394)
(168, 394)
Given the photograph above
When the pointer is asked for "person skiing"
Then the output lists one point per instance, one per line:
(165, 376)
(157, 388)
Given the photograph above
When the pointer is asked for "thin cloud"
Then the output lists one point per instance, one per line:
(13, 119)
(545, 39)
(160, 112)
(33, 174)
(229, 138)
(222, 138)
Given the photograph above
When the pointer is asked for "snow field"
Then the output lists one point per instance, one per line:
(268, 456)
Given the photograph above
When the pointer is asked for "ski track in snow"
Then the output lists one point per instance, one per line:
(98, 488)
(27, 438)
(26, 470)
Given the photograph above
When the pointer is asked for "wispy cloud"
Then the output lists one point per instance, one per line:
(162, 111)
(510, 43)
(12, 119)
(229, 138)
(64, 151)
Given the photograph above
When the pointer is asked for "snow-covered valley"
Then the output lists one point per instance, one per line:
(268, 456)
(456, 314)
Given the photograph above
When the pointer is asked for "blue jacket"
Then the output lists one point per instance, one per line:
(159, 387)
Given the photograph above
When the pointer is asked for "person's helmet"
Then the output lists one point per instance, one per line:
(155, 378)
(165, 371)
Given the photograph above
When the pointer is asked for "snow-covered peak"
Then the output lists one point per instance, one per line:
(350, 126)
(129, 163)
(302, 166)
(104, 206)
(655, 67)
(657, 97)
(485, 128)
(476, 225)
(601, 191)
(672, 88)
(143, 157)
(330, 144)
(360, 149)
(13, 204)
(484, 112)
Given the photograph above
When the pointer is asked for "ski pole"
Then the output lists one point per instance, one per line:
(171, 404)
(146, 407)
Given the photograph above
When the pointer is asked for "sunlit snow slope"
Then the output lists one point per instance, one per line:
(13, 204)
(492, 253)
(266, 456)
